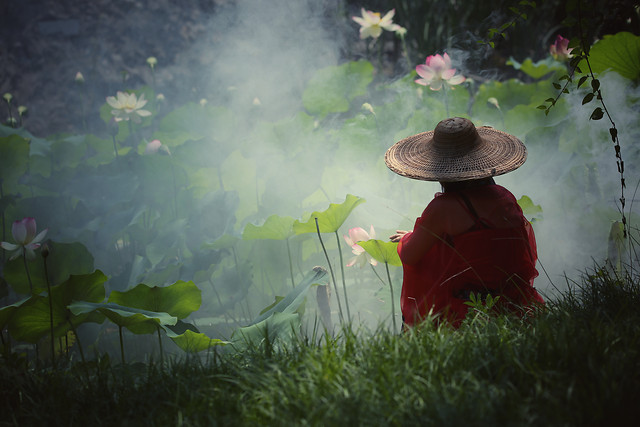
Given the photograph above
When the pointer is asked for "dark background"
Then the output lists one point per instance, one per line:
(46, 42)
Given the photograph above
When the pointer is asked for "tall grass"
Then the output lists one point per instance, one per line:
(576, 363)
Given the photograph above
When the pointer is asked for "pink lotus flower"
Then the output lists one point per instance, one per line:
(371, 25)
(361, 256)
(560, 49)
(437, 71)
(24, 233)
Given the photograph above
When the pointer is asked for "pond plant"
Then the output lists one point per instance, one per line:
(207, 233)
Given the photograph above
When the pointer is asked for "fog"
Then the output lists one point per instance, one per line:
(255, 59)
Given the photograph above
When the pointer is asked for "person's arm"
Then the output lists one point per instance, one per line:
(426, 232)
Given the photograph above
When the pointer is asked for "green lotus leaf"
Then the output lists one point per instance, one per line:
(225, 241)
(31, 321)
(330, 220)
(528, 207)
(179, 300)
(278, 326)
(64, 260)
(274, 228)
(382, 251)
(6, 312)
(332, 89)
(14, 157)
(193, 342)
(538, 69)
(619, 52)
(292, 301)
(136, 320)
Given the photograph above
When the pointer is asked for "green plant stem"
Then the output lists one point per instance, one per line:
(26, 268)
(175, 190)
(3, 222)
(446, 98)
(46, 278)
(344, 283)
(393, 304)
(115, 148)
(293, 283)
(333, 277)
(160, 344)
(10, 115)
(73, 329)
(121, 343)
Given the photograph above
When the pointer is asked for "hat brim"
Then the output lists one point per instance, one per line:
(493, 153)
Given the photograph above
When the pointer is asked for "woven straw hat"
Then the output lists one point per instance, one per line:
(456, 151)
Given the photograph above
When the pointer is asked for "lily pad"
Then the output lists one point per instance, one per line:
(619, 53)
(382, 251)
(274, 228)
(330, 220)
(179, 300)
(332, 89)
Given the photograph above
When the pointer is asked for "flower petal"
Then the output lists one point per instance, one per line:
(143, 113)
(456, 80)
(19, 231)
(9, 246)
(358, 234)
(40, 236)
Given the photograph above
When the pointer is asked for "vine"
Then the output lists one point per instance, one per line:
(580, 51)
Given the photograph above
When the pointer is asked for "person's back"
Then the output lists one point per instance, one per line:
(473, 238)
(486, 250)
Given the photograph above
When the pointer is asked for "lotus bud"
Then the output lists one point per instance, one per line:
(493, 101)
(153, 147)
(45, 250)
(7, 97)
(203, 102)
(22, 110)
(256, 101)
(152, 61)
(160, 97)
(368, 107)
(401, 32)
(79, 78)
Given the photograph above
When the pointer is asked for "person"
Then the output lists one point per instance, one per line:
(472, 238)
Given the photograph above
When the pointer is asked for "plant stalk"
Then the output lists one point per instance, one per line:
(293, 283)
(46, 277)
(333, 277)
(344, 283)
(26, 268)
(393, 304)
(121, 343)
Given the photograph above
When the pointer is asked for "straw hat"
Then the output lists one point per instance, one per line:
(456, 151)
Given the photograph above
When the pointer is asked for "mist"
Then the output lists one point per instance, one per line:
(258, 151)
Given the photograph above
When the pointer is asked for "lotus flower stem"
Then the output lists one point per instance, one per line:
(393, 304)
(26, 268)
(446, 99)
(3, 221)
(333, 277)
(121, 343)
(344, 283)
(46, 278)
(160, 344)
(77, 340)
(293, 283)
(115, 148)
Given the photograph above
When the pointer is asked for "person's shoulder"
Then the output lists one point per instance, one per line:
(442, 204)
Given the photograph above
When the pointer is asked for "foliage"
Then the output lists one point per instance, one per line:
(574, 364)
(196, 227)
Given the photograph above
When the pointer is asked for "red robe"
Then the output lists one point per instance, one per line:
(484, 260)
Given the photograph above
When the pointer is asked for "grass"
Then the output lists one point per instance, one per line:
(577, 363)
